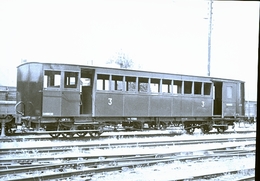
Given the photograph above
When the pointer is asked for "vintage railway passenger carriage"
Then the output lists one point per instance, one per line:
(69, 99)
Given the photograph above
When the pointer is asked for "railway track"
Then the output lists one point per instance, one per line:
(110, 135)
(149, 142)
(87, 164)
(13, 162)
(207, 176)
(110, 163)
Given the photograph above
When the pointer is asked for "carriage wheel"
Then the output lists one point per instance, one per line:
(205, 129)
(190, 130)
(54, 135)
(163, 126)
(81, 134)
(8, 131)
(222, 129)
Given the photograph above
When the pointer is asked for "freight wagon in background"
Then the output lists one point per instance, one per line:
(7, 107)
(251, 111)
(66, 99)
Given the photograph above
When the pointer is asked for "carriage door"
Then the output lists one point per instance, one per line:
(70, 95)
(60, 93)
(229, 98)
(217, 95)
(241, 99)
(86, 91)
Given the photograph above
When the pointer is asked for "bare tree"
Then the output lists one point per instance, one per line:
(122, 59)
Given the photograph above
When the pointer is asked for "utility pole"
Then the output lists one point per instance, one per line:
(209, 35)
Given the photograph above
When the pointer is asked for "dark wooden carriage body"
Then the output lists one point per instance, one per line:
(47, 92)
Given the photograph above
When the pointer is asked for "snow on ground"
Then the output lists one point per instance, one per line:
(157, 172)
(178, 170)
(183, 149)
(125, 149)
(35, 143)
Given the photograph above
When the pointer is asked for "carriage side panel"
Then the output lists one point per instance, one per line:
(108, 104)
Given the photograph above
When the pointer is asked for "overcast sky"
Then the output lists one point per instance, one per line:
(159, 35)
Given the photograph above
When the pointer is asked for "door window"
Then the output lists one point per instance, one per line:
(229, 92)
(52, 79)
(71, 80)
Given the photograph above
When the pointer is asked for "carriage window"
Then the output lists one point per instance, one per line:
(52, 79)
(102, 82)
(187, 87)
(177, 87)
(207, 88)
(71, 80)
(130, 84)
(197, 88)
(166, 86)
(229, 92)
(117, 83)
(143, 84)
(155, 85)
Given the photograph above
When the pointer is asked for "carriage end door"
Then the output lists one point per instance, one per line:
(229, 99)
(86, 91)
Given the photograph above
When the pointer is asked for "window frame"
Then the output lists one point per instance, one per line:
(155, 82)
(229, 92)
(67, 82)
(51, 84)
(187, 86)
(169, 84)
(128, 81)
(116, 80)
(178, 85)
(105, 78)
(197, 88)
(207, 88)
(142, 82)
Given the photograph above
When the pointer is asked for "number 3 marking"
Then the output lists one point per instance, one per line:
(109, 101)
(202, 103)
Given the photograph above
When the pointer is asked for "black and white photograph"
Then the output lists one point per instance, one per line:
(134, 90)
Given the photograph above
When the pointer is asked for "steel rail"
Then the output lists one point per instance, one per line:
(217, 153)
(213, 174)
(30, 155)
(127, 143)
(129, 157)
(135, 161)
(74, 159)
(29, 159)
